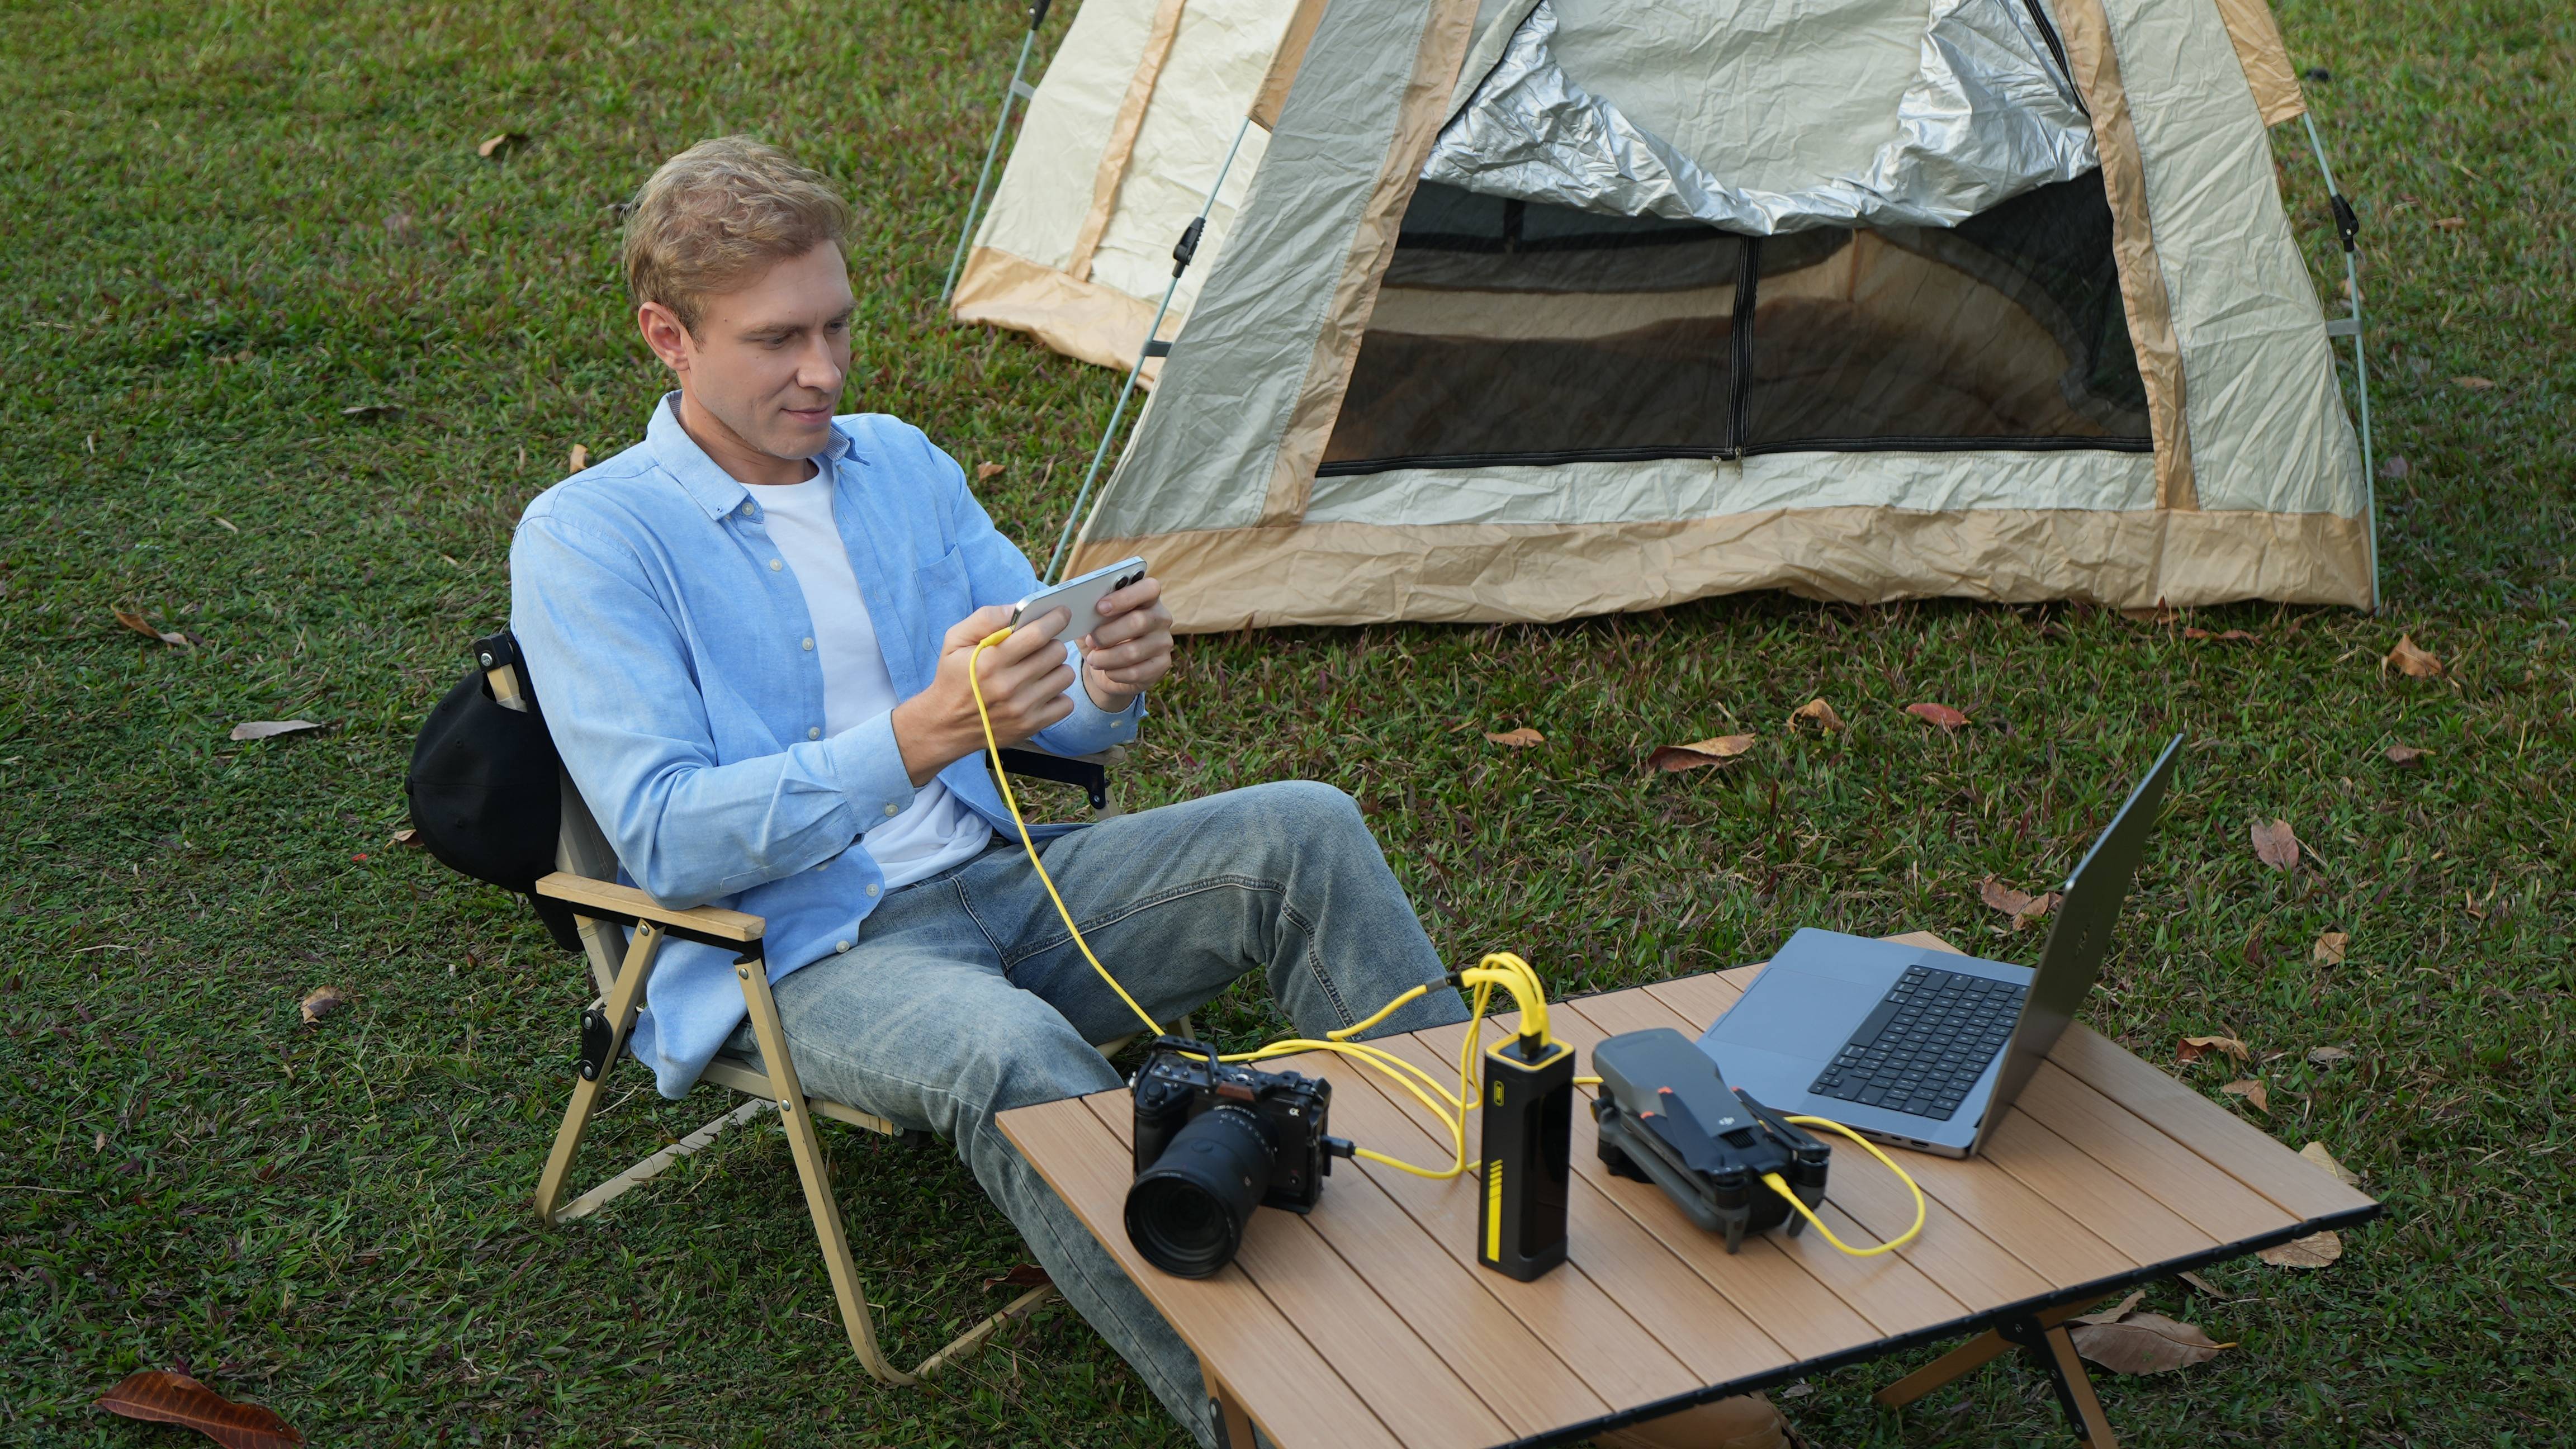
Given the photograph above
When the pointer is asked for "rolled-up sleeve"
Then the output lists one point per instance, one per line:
(615, 682)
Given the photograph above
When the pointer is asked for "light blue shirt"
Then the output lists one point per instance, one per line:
(664, 636)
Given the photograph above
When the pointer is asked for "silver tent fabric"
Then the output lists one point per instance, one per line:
(1985, 116)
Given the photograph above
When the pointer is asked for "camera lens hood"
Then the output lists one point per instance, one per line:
(1186, 1213)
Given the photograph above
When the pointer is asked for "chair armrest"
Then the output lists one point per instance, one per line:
(1091, 772)
(608, 900)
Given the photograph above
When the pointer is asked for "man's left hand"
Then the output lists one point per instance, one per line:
(1132, 647)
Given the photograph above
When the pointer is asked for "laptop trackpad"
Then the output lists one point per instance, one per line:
(1796, 1016)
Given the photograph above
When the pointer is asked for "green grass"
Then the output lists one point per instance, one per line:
(226, 223)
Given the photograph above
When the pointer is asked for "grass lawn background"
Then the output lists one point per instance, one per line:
(225, 223)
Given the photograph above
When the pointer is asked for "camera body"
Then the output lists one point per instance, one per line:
(1213, 1141)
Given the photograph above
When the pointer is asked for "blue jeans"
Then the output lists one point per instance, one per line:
(963, 996)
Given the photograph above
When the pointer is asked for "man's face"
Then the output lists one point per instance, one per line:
(767, 360)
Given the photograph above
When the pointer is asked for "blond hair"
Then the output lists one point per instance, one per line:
(716, 215)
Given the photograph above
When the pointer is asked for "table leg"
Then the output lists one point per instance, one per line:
(1232, 1423)
(1967, 1358)
(2075, 1391)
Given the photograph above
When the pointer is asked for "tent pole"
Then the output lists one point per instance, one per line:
(1001, 125)
(2347, 226)
(1181, 255)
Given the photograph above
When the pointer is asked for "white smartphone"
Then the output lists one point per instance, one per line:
(1079, 598)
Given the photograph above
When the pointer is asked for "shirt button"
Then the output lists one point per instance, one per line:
(814, 733)
(891, 810)
(872, 888)
(840, 945)
(809, 642)
(775, 565)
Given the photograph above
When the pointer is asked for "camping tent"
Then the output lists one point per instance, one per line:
(1558, 307)
(1124, 140)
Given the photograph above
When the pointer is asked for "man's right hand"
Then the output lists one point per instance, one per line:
(1024, 678)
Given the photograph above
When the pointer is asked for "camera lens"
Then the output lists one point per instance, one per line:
(1186, 1212)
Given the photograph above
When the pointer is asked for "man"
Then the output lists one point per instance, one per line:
(751, 634)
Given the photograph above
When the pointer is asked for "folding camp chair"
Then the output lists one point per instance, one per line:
(621, 931)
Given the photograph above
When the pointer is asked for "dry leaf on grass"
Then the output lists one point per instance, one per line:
(1939, 714)
(407, 836)
(2276, 845)
(494, 145)
(2231, 636)
(2475, 384)
(2394, 467)
(2313, 1251)
(1700, 752)
(1517, 739)
(2404, 755)
(2163, 613)
(984, 471)
(2411, 660)
(322, 1002)
(143, 626)
(260, 729)
(2450, 223)
(2115, 1312)
(1817, 715)
(2330, 946)
(2021, 906)
(164, 1397)
(2326, 1056)
(1025, 1275)
(2316, 1152)
(2144, 1343)
(371, 410)
(2251, 1089)
(2195, 1047)
(577, 459)
(2199, 1284)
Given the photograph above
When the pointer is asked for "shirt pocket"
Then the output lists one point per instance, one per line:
(947, 596)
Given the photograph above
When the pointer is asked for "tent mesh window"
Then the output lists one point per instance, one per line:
(1517, 333)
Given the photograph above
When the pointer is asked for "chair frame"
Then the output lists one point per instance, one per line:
(622, 930)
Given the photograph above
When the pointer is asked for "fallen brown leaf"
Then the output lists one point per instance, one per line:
(2195, 1047)
(143, 626)
(2316, 1152)
(2144, 1343)
(2451, 223)
(164, 1397)
(577, 459)
(1819, 714)
(1024, 1275)
(2276, 845)
(2475, 384)
(2232, 636)
(2330, 946)
(987, 470)
(2199, 1284)
(2326, 1056)
(1939, 714)
(2394, 467)
(407, 836)
(2163, 613)
(493, 145)
(2403, 755)
(2251, 1089)
(260, 729)
(2115, 1312)
(2411, 660)
(1517, 739)
(2313, 1251)
(2023, 907)
(322, 1001)
(1699, 752)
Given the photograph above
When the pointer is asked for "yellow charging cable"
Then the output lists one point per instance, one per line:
(1772, 1180)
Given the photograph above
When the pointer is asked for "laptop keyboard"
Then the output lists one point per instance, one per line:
(1926, 1044)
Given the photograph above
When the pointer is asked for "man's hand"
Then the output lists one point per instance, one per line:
(1024, 678)
(1131, 649)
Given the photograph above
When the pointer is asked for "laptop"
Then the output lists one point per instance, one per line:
(1919, 1047)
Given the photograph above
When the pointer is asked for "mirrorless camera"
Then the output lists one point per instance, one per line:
(1215, 1141)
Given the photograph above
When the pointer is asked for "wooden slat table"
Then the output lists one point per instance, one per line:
(1369, 1322)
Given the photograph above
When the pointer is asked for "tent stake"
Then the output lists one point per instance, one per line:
(2348, 226)
(1001, 125)
(1181, 256)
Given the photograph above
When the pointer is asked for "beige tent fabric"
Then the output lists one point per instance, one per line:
(1284, 62)
(2087, 34)
(1122, 137)
(1358, 573)
(1079, 319)
(1328, 374)
(2266, 58)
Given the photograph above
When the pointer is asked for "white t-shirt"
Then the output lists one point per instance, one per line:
(936, 831)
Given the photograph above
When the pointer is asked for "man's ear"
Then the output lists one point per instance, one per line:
(663, 333)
